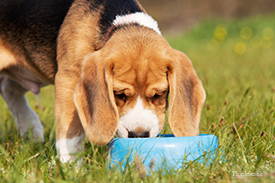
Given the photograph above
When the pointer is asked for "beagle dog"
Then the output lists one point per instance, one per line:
(112, 71)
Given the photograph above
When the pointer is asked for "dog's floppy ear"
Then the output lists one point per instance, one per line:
(94, 100)
(186, 97)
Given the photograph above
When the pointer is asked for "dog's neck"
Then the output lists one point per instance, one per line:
(139, 18)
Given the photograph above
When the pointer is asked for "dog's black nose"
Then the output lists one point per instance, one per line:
(145, 134)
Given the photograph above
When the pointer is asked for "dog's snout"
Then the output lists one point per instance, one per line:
(138, 135)
(138, 132)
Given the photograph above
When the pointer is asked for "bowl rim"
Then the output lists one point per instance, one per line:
(164, 137)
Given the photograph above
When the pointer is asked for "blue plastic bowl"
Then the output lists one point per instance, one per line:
(164, 151)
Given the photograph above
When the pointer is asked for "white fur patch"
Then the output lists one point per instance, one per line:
(138, 117)
(138, 17)
(67, 148)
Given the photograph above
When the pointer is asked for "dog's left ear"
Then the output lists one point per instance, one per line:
(186, 96)
(94, 100)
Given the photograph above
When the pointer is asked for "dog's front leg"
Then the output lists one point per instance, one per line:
(69, 131)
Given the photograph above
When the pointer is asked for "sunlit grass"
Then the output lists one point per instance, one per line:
(236, 63)
(235, 59)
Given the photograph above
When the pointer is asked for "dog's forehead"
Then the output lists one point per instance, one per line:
(140, 75)
(140, 69)
(140, 58)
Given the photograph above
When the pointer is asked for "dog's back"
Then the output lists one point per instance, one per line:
(28, 31)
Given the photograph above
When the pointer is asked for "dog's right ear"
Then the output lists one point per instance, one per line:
(94, 100)
(187, 96)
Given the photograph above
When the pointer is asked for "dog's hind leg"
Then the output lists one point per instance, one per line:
(25, 118)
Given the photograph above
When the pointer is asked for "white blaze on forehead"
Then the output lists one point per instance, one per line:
(138, 117)
(139, 18)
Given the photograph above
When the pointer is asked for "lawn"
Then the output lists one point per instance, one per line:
(235, 59)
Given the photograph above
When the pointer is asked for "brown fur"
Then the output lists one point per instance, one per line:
(149, 68)
(91, 74)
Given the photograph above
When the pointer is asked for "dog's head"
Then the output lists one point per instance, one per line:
(125, 86)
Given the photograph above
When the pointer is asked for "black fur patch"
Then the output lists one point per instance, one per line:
(113, 8)
(37, 20)
(33, 25)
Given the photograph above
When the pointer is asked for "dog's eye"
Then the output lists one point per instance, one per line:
(121, 96)
(160, 98)
(155, 97)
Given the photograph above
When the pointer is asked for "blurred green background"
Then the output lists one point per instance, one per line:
(179, 15)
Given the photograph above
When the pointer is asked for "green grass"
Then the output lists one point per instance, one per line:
(238, 73)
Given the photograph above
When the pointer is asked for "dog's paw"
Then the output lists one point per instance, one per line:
(30, 122)
(38, 133)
